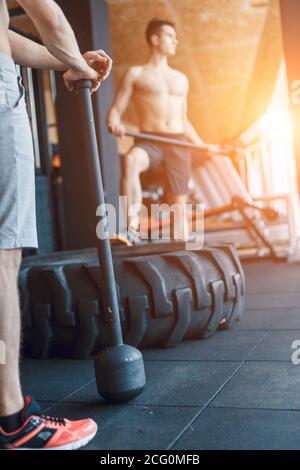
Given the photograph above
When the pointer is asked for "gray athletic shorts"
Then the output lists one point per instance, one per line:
(17, 169)
(175, 161)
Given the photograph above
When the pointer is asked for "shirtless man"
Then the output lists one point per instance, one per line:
(159, 93)
(22, 424)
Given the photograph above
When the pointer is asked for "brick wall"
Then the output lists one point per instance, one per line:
(230, 50)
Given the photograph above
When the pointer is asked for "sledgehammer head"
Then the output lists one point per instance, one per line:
(120, 373)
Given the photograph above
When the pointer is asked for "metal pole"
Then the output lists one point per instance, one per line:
(224, 149)
(164, 140)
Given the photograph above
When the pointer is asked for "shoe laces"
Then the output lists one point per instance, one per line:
(54, 420)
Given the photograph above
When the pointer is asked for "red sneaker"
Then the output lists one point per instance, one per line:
(46, 433)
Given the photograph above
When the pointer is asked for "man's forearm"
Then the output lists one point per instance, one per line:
(30, 54)
(192, 134)
(56, 32)
(114, 116)
(63, 45)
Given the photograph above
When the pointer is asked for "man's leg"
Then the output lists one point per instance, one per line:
(181, 229)
(135, 162)
(22, 424)
(11, 399)
(27, 428)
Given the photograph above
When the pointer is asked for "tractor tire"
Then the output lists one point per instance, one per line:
(165, 297)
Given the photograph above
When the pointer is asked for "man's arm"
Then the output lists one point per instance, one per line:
(59, 39)
(191, 132)
(31, 54)
(56, 32)
(120, 104)
(194, 137)
(189, 129)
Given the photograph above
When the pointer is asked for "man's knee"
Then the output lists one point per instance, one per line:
(135, 162)
(10, 259)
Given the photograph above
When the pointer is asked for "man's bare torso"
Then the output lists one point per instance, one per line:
(4, 22)
(159, 95)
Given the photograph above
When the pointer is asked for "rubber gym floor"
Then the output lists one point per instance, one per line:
(238, 390)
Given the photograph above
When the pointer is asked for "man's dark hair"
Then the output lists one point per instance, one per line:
(154, 27)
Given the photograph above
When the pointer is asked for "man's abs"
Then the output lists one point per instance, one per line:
(159, 113)
(4, 23)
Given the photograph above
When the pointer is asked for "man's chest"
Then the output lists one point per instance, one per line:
(160, 84)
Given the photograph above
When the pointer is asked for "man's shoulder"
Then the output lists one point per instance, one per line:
(135, 71)
(179, 75)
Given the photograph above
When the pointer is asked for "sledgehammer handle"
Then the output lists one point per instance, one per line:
(107, 278)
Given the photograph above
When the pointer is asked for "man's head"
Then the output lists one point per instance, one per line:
(161, 35)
